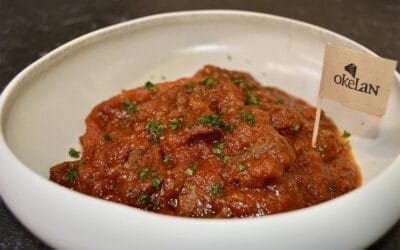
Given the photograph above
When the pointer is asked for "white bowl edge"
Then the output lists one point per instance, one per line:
(9, 159)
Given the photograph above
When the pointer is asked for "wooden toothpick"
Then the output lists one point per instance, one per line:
(316, 123)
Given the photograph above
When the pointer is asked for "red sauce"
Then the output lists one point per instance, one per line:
(218, 144)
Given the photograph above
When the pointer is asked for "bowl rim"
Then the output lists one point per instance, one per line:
(108, 31)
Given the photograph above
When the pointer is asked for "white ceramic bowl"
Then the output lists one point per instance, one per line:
(43, 109)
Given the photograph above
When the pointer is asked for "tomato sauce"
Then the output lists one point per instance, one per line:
(218, 144)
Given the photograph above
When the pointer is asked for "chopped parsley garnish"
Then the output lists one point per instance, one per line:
(319, 149)
(144, 173)
(155, 129)
(144, 198)
(296, 128)
(279, 102)
(150, 86)
(306, 149)
(189, 88)
(248, 86)
(269, 88)
(243, 84)
(156, 182)
(155, 203)
(220, 154)
(249, 118)
(107, 137)
(238, 82)
(167, 159)
(252, 100)
(73, 153)
(129, 106)
(346, 134)
(174, 124)
(190, 171)
(332, 187)
(241, 167)
(230, 127)
(211, 120)
(216, 190)
(71, 174)
(208, 82)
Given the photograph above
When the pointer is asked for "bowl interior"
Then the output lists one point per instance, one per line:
(44, 114)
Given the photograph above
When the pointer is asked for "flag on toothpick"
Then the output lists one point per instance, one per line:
(357, 80)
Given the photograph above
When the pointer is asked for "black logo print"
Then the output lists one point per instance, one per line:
(351, 68)
(355, 83)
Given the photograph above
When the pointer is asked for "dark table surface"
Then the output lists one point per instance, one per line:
(29, 29)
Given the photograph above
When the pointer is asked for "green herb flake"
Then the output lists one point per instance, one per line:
(332, 187)
(238, 82)
(346, 134)
(249, 118)
(107, 137)
(156, 182)
(209, 82)
(216, 190)
(306, 149)
(189, 88)
(74, 153)
(150, 86)
(248, 86)
(252, 100)
(241, 83)
(144, 173)
(296, 128)
(279, 102)
(129, 106)
(174, 124)
(167, 159)
(71, 174)
(218, 151)
(270, 88)
(230, 127)
(319, 149)
(156, 129)
(144, 198)
(190, 171)
(155, 204)
(242, 168)
(211, 120)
